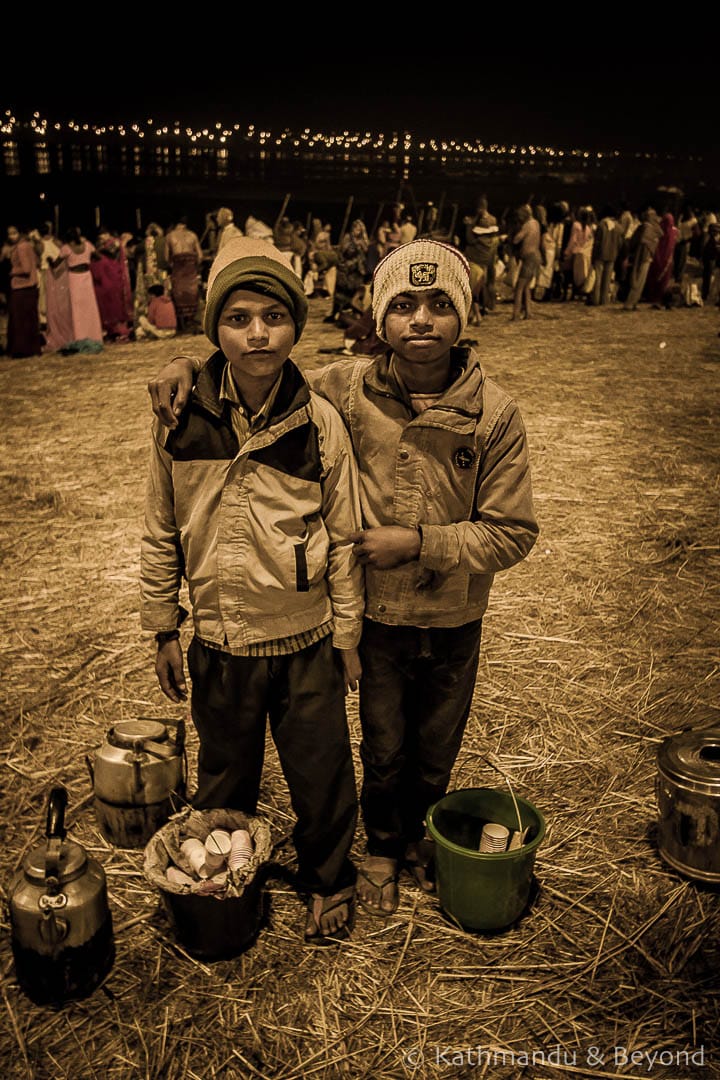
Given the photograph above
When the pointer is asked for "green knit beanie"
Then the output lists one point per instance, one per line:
(244, 263)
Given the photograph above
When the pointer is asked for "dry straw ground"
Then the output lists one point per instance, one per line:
(602, 643)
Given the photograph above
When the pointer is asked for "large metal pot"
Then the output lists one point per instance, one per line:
(62, 935)
(688, 799)
(139, 777)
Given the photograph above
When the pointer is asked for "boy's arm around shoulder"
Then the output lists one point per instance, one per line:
(342, 519)
(504, 527)
(333, 382)
(161, 558)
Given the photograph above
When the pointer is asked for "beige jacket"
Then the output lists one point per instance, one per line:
(261, 533)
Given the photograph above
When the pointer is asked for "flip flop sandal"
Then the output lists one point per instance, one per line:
(380, 886)
(322, 905)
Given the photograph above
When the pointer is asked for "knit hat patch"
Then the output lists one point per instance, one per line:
(256, 265)
(417, 266)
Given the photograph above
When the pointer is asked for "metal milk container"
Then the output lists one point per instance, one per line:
(139, 779)
(62, 934)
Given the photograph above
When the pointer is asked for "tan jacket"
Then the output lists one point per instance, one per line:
(261, 533)
(459, 471)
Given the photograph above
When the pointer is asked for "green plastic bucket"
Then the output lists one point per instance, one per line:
(480, 891)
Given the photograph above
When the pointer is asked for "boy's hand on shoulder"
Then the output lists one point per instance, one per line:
(170, 672)
(170, 390)
(386, 546)
(352, 668)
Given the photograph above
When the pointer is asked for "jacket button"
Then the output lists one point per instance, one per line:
(404, 455)
(381, 607)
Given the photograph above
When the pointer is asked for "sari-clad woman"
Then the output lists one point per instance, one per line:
(661, 269)
(23, 328)
(77, 252)
(59, 331)
(111, 280)
(578, 253)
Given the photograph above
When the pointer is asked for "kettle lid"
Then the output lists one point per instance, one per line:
(130, 732)
(71, 860)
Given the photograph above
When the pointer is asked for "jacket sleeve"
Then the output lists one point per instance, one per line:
(341, 515)
(504, 527)
(161, 558)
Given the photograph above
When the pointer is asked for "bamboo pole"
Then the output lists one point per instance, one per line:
(453, 220)
(348, 208)
(281, 215)
(376, 222)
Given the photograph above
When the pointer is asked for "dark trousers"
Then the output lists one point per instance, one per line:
(415, 696)
(303, 696)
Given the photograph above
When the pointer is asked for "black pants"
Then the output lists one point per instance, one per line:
(304, 697)
(415, 697)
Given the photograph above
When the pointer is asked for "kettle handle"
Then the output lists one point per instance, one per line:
(55, 827)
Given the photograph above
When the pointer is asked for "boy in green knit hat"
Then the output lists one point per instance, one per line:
(253, 499)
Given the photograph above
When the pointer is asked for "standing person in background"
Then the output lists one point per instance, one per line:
(49, 248)
(526, 241)
(151, 266)
(185, 257)
(351, 268)
(606, 248)
(660, 271)
(644, 244)
(578, 252)
(78, 253)
(111, 280)
(226, 228)
(686, 223)
(23, 328)
(408, 229)
(482, 237)
(447, 503)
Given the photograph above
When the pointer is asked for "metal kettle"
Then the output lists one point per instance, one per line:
(62, 934)
(139, 778)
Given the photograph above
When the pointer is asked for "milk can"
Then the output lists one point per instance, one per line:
(687, 789)
(62, 934)
(139, 775)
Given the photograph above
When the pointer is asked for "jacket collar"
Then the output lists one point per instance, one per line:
(464, 395)
(293, 392)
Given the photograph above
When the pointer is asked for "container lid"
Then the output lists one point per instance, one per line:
(693, 757)
(129, 732)
(71, 861)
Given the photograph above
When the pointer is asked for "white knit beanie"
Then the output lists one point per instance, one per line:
(420, 265)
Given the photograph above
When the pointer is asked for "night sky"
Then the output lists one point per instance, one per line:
(631, 100)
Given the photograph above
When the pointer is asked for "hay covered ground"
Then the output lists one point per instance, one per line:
(603, 642)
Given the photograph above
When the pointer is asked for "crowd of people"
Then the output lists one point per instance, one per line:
(72, 294)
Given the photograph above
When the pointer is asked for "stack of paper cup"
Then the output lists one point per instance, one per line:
(241, 849)
(494, 838)
(194, 851)
(217, 849)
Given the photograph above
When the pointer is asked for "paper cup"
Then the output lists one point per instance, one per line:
(217, 849)
(494, 838)
(241, 849)
(194, 851)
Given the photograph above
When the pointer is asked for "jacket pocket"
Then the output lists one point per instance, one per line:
(311, 554)
(301, 570)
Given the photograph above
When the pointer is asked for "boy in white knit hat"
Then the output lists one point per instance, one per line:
(446, 503)
(253, 498)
